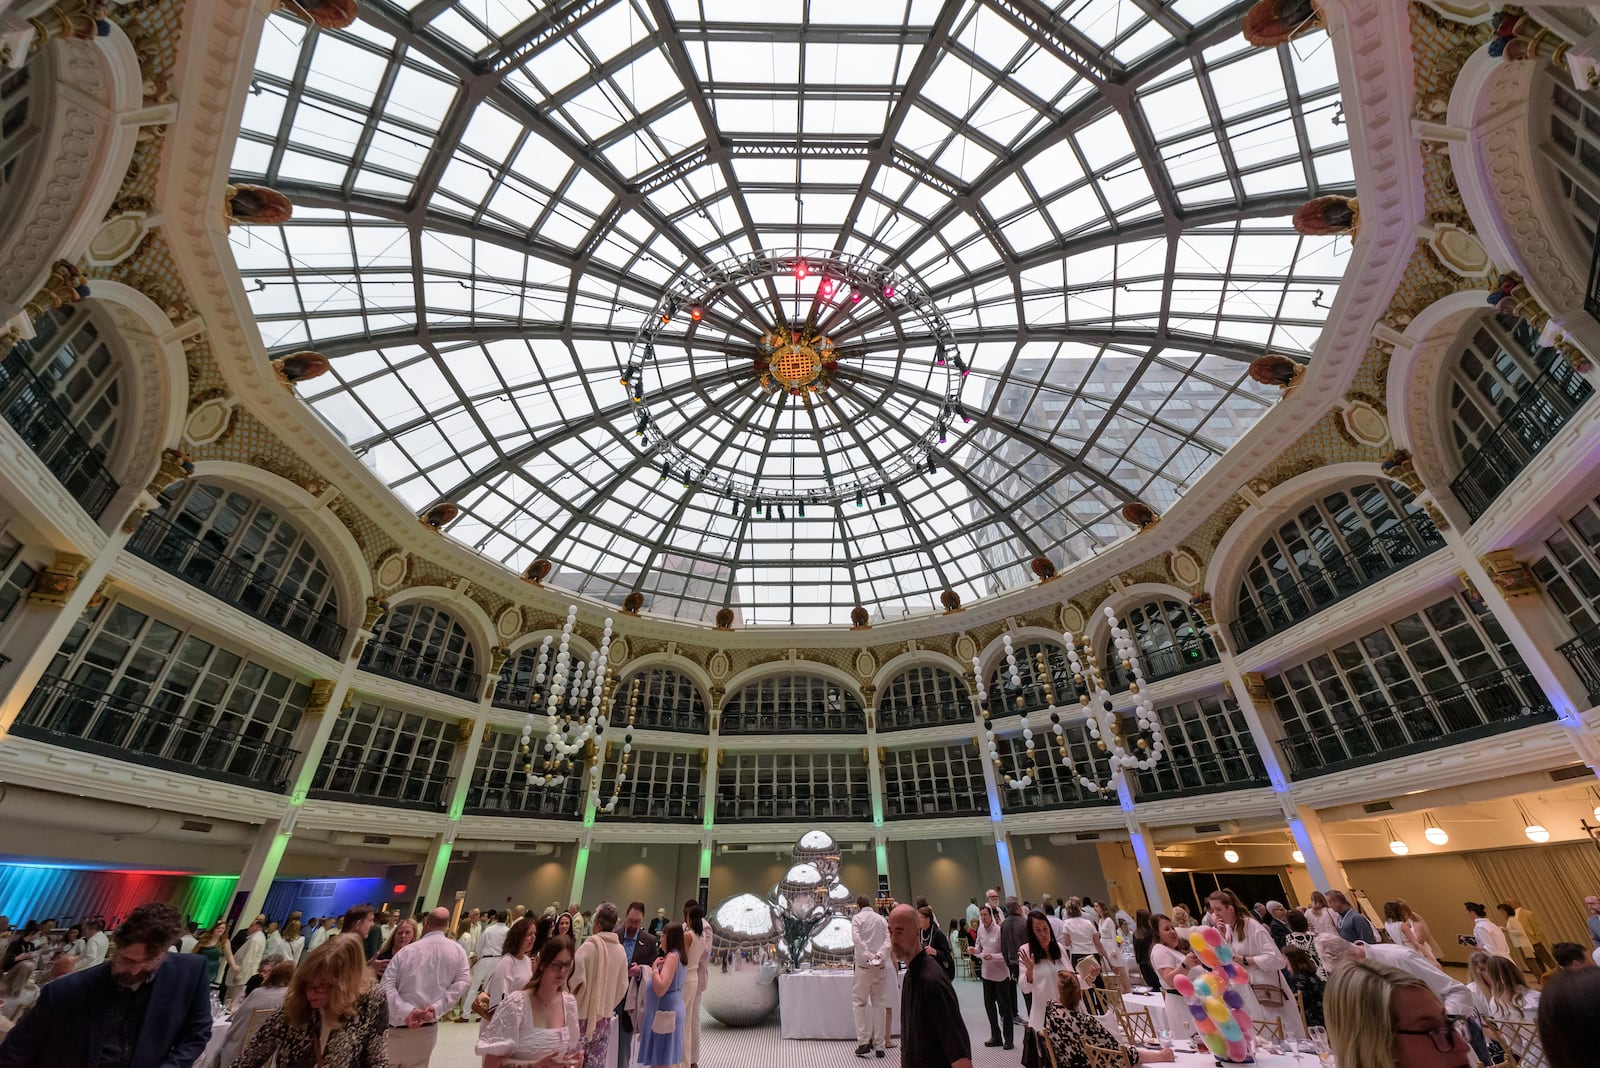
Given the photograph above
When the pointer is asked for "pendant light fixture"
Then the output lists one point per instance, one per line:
(1231, 855)
(1432, 831)
(1596, 795)
(1396, 846)
(1536, 832)
(1298, 857)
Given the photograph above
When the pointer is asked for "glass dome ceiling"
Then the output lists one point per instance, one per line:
(496, 202)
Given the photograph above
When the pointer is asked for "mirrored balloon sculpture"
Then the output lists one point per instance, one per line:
(1102, 724)
(575, 712)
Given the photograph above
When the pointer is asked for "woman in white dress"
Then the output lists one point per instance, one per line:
(512, 971)
(294, 943)
(1490, 939)
(1081, 935)
(1323, 920)
(1417, 928)
(696, 969)
(1039, 961)
(1172, 957)
(537, 1026)
(1255, 952)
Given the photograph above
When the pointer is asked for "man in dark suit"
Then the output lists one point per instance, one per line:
(143, 1008)
(640, 947)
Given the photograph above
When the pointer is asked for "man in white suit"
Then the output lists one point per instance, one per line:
(869, 995)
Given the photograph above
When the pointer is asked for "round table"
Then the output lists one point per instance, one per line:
(816, 1004)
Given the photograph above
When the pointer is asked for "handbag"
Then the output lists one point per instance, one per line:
(664, 1022)
(1031, 1055)
(1269, 997)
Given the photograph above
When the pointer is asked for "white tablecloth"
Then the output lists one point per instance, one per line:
(817, 1004)
(213, 1050)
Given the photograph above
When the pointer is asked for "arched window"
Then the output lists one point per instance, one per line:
(425, 645)
(1444, 673)
(240, 549)
(16, 131)
(399, 756)
(1171, 638)
(924, 696)
(61, 391)
(794, 704)
(1508, 397)
(137, 687)
(1054, 785)
(519, 689)
(1569, 571)
(1328, 550)
(937, 780)
(1573, 153)
(666, 700)
(1038, 689)
(500, 784)
(1209, 749)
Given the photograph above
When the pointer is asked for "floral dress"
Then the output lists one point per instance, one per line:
(1069, 1031)
(361, 1040)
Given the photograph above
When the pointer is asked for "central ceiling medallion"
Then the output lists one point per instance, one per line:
(795, 359)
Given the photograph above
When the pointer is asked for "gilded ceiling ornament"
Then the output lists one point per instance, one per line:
(1323, 216)
(1141, 515)
(324, 14)
(1269, 23)
(391, 570)
(255, 205)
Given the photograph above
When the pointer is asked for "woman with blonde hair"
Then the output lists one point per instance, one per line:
(1382, 1017)
(212, 944)
(333, 1016)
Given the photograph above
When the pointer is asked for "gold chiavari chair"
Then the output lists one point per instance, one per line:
(1136, 1025)
(1101, 1057)
(1268, 1029)
(1520, 1040)
(1102, 1001)
(1049, 1048)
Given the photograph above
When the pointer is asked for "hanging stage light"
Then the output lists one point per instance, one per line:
(696, 311)
(859, 501)
(801, 268)
(855, 295)
(938, 355)
(781, 516)
(825, 291)
(888, 290)
(962, 412)
(801, 508)
(933, 467)
(883, 499)
(644, 423)
(736, 505)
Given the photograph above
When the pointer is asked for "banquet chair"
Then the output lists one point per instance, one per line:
(257, 1018)
(1137, 1025)
(1049, 1049)
(1269, 1029)
(1102, 1001)
(1520, 1040)
(1102, 1057)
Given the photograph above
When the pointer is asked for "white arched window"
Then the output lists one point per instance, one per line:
(795, 703)
(1171, 638)
(18, 129)
(1508, 396)
(239, 548)
(924, 696)
(1044, 680)
(425, 645)
(62, 393)
(1572, 152)
(1326, 551)
(391, 754)
(666, 700)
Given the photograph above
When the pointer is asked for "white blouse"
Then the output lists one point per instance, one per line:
(1491, 939)
(1079, 936)
(1266, 959)
(510, 975)
(512, 1033)
(1043, 988)
(1322, 921)
(1163, 957)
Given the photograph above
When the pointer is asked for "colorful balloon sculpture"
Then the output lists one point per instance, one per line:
(1214, 1002)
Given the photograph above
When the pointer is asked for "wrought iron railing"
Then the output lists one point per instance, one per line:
(179, 553)
(1064, 792)
(653, 803)
(1163, 663)
(1341, 575)
(1532, 422)
(1591, 299)
(908, 715)
(28, 404)
(1583, 653)
(67, 714)
(771, 719)
(924, 802)
(1481, 706)
(427, 670)
(771, 805)
(342, 779)
(512, 796)
(1212, 771)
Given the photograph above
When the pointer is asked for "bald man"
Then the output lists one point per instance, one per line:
(421, 983)
(932, 1032)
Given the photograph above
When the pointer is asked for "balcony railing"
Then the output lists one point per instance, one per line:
(1591, 299)
(925, 803)
(1064, 792)
(76, 717)
(511, 795)
(353, 780)
(909, 715)
(1583, 653)
(1482, 706)
(651, 803)
(179, 553)
(1199, 773)
(1533, 421)
(1163, 663)
(776, 720)
(29, 405)
(1340, 576)
(425, 669)
(785, 805)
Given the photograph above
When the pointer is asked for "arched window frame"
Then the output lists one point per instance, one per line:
(796, 702)
(669, 700)
(1171, 639)
(1032, 695)
(424, 644)
(925, 695)
(377, 751)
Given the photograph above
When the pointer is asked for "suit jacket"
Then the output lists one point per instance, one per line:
(644, 952)
(66, 1028)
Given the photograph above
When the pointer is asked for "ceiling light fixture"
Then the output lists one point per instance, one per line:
(801, 268)
(1396, 846)
(1536, 832)
(696, 311)
(1298, 857)
(855, 295)
(1432, 831)
(1231, 856)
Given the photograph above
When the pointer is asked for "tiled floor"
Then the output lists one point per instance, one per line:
(760, 1047)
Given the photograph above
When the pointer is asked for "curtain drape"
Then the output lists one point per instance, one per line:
(1552, 880)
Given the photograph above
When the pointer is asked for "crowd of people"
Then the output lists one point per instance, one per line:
(565, 989)
(576, 989)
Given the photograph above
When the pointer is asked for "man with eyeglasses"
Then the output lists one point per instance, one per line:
(143, 1008)
(420, 985)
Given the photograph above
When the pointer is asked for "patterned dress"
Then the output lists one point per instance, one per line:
(655, 1048)
(361, 1040)
(1069, 1031)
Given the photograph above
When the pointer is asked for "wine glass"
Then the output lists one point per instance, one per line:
(1164, 1036)
(1319, 1041)
(1294, 1045)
